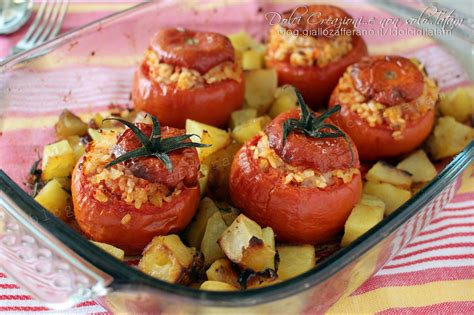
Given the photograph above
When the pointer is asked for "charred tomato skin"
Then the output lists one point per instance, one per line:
(316, 83)
(390, 80)
(211, 103)
(104, 221)
(297, 214)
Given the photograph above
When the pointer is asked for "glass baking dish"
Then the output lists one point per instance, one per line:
(92, 67)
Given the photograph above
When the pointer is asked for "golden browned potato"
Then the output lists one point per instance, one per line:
(243, 243)
(382, 172)
(77, 147)
(168, 259)
(209, 247)
(195, 231)
(207, 134)
(449, 138)
(240, 116)
(419, 166)
(245, 131)
(70, 125)
(285, 99)
(54, 198)
(58, 160)
(222, 270)
(392, 196)
(112, 250)
(365, 215)
(260, 87)
(295, 260)
(217, 286)
(458, 104)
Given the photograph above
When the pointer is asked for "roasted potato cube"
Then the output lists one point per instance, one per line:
(229, 213)
(295, 260)
(252, 59)
(222, 270)
(242, 242)
(54, 198)
(58, 160)
(392, 196)
(384, 173)
(203, 178)
(238, 117)
(245, 131)
(371, 201)
(449, 138)
(112, 250)
(217, 286)
(219, 164)
(260, 87)
(458, 104)
(197, 228)
(77, 147)
(168, 259)
(209, 247)
(254, 280)
(285, 99)
(70, 125)
(362, 218)
(65, 183)
(215, 137)
(242, 41)
(419, 166)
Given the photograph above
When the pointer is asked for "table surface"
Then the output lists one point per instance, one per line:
(435, 274)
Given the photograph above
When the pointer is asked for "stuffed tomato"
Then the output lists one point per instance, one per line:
(130, 187)
(300, 177)
(310, 51)
(189, 74)
(388, 105)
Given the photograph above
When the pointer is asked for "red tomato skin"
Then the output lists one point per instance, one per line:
(315, 83)
(211, 104)
(377, 142)
(102, 221)
(296, 214)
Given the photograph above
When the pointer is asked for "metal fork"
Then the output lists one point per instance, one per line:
(46, 26)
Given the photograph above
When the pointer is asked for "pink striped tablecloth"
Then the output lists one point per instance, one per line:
(433, 274)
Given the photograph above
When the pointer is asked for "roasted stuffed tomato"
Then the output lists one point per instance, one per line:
(388, 105)
(130, 187)
(310, 51)
(189, 74)
(301, 177)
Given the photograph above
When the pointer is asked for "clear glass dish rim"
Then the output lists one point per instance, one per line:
(125, 276)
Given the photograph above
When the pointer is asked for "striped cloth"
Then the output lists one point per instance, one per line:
(433, 274)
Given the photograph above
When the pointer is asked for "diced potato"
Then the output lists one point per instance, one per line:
(209, 247)
(238, 117)
(295, 260)
(203, 178)
(70, 125)
(449, 138)
(384, 173)
(419, 166)
(217, 286)
(392, 196)
(268, 237)
(142, 117)
(54, 198)
(458, 104)
(168, 259)
(216, 137)
(242, 242)
(219, 164)
(252, 59)
(242, 41)
(371, 201)
(65, 182)
(229, 213)
(362, 218)
(112, 250)
(285, 99)
(260, 87)
(196, 229)
(222, 270)
(94, 134)
(256, 280)
(77, 147)
(247, 130)
(58, 160)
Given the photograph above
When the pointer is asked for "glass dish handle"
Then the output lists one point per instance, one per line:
(49, 270)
